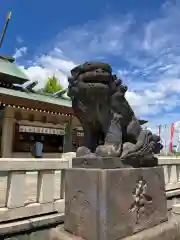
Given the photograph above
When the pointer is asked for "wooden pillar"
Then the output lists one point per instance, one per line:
(68, 137)
(7, 137)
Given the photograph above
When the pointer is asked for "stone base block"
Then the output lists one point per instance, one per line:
(109, 204)
(98, 162)
(112, 162)
(165, 231)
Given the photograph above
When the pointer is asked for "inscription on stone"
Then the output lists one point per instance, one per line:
(79, 212)
(141, 198)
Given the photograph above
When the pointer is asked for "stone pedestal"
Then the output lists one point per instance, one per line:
(109, 204)
(100, 162)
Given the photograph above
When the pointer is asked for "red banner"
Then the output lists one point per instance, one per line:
(171, 138)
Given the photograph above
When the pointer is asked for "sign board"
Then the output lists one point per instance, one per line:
(80, 134)
(32, 129)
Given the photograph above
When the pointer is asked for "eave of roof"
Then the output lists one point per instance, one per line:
(44, 99)
(142, 122)
(36, 97)
(8, 68)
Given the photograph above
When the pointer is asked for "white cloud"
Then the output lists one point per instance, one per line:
(76, 45)
(81, 43)
(19, 39)
(46, 66)
(19, 52)
(56, 64)
(147, 59)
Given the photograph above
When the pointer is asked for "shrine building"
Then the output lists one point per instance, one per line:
(27, 116)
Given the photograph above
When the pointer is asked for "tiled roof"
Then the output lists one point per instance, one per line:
(36, 97)
(142, 122)
(64, 102)
(11, 71)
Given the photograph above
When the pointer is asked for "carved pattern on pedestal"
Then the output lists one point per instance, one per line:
(141, 198)
(79, 211)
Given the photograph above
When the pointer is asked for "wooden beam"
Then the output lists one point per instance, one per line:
(26, 103)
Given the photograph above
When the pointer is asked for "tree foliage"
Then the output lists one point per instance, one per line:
(52, 85)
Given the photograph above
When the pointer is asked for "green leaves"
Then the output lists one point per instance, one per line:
(52, 85)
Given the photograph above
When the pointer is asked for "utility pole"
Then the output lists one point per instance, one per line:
(5, 28)
(165, 140)
(159, 126)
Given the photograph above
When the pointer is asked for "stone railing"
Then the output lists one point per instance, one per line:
(171, 167)
(31, 187)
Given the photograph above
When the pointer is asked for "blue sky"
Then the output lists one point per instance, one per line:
(141, 39)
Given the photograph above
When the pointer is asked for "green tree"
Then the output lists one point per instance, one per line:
(52, 85)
